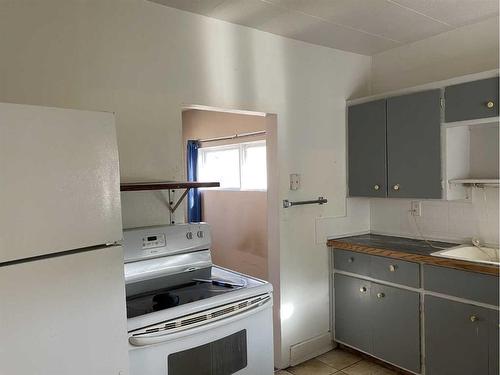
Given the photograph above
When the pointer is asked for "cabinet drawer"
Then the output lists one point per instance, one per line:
(468, 101)
(463, 284)
(351, 261)
(395, 271)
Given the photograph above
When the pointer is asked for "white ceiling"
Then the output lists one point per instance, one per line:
(362, 26)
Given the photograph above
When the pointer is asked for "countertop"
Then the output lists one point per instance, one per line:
(408, 249)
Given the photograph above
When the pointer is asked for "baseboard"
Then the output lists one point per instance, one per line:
(311, 348)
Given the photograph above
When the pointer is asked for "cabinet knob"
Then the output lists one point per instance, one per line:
(473, 318)
(392, 267)
(350, 260)
(363, 289)
(396, 187)
(380, 295)
(376, 187)
(490, 104)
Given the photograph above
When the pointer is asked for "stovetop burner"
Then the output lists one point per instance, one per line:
(165, 298)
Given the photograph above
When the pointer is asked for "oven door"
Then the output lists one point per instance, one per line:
(223, 342)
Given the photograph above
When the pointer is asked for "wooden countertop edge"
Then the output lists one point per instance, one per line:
(428, 259)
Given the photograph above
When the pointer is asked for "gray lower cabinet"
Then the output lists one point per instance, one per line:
(472, 100)
(396, 326)
(352, 312)
(378, 319)
(460, 339)
(414, 145)
(494, 338)
(366, 150)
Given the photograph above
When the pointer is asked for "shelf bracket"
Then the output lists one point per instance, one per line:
(179, 201)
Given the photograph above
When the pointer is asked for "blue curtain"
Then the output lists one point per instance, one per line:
(194, 199)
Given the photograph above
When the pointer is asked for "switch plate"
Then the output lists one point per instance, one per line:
(416, 208)
(294, 181)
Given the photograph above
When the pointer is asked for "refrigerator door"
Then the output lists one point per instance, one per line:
(64, 315)
(59, 180)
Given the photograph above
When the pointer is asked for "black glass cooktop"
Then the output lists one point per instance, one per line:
(162, 299)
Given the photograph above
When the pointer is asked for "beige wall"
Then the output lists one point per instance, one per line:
(203, 124)
(466, 50)
(239, 227)
(146, 62)
(470, 49)
(238, 218)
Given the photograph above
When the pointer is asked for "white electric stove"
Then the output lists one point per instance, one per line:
(187, 316)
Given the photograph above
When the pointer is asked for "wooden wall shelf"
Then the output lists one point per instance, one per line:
(165, 185)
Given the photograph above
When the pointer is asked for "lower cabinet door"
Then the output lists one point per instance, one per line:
(493, 334)
(456, 337)
(396, 326)
(352, 312)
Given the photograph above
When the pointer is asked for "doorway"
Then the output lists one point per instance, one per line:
(232, 149)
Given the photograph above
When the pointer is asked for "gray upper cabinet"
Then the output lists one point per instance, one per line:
(472, 100)
(456, 338)
(366, 148)
(394, 147)
(414, 145)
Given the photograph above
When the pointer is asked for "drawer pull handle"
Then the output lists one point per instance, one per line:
(363, 289)
(376, 187)
(380, 295)
(490, 104)
(473, 318)
(350, 260)
(392, 267)
(396, 187)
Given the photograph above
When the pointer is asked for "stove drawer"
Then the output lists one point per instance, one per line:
(224, 356)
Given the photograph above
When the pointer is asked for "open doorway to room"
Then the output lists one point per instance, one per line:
(232, 148)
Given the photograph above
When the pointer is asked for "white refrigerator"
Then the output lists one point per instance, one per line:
(62, 296)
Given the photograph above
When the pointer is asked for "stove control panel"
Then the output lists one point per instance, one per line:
(152, 241)
(165, 240)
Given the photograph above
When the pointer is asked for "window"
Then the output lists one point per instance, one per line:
(237, 167)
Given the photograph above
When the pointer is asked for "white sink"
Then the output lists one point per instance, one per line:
(480, 254)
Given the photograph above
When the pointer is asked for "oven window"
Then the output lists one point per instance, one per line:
(222, 357)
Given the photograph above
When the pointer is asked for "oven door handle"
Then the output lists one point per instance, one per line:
(154, 338)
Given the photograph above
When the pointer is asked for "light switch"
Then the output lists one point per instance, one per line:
(294, 181)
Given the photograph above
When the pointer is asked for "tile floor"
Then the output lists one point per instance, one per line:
(338, 362)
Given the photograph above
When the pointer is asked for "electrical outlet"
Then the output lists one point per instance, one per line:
(416, 208)
(294, 181)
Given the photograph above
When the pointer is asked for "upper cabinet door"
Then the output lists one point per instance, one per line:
(367, 149)
(414, 145)
(472, 100)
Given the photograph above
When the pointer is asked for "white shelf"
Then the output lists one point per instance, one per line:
(476, 181)
(481, 121)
